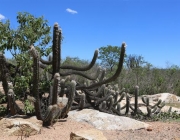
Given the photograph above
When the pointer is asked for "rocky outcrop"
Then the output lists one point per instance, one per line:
(20, 126)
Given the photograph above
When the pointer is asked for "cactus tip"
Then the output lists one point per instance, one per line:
(124, 44)
(56, 24)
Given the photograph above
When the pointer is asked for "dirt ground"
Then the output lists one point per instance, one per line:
(61, 131)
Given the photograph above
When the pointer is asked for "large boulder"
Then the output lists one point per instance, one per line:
(166, 97)
(104, 121)
(20, 125)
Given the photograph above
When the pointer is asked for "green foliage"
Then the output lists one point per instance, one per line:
(162, 116)
(28, 107)
(2, 110)
(30, 30)
(3, 98)
(109, 56)
(151, 80)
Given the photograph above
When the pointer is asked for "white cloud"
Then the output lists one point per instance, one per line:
(71, 11)
(2, 17)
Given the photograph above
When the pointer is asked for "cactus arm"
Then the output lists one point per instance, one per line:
(82, 101)
(98, 93)
(82, 74)
(14, 108)
(157, 104)
(56, 89)
(116, 96)
(83, 68)
(110, 102)
(118, 71)
(71, 89)
(161, 105)
(144, 99)
(99, 100)
(120, 99)
(149, 112)
(127, 104)
(46, 62)
(103, 105)
(62, 85)
(87, 105)
(136, 99)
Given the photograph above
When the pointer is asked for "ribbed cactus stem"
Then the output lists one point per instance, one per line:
(82, 101)
(157, 104)
(111, 101)
(149, 111)
(154, 109)
(59, 51)
(99, 92)
(11, 102)
(56, 89)
(104, 105)
(119, 108)
(120, 99)
(145, 100)
(71, 87)
(56, 48)
(116, 96)
(37, 104)
(170, 109)
(162, 105)
(62, 85)
(136, 99)
(127, 104)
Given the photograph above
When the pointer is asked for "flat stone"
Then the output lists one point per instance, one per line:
(90, 134)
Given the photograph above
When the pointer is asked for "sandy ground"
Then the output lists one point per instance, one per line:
(61, 131)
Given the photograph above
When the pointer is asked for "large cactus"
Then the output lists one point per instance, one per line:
(54, 110)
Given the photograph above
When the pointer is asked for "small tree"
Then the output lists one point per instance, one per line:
(135, 63)
(30, 30)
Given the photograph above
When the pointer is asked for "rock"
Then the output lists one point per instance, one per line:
(20, 125)
(91, 134)
(104, 121)
(166, 97)
(149, 128)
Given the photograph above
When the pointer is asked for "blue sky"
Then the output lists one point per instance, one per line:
(150, 28)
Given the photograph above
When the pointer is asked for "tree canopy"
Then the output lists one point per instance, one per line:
(109, 56)
(30, 30)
